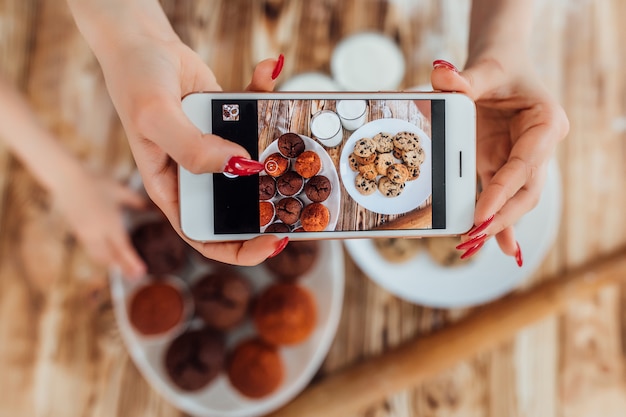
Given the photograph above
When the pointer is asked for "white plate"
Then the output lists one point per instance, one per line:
(310, 81)
(325, 280)
(328, 170)
(490, 275)
(415, 192)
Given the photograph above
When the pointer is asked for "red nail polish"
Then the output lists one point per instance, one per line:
(471, 251)
(440, 63)
(238, 165)
(279, 66)
(477, 229)
(472, 242)
(518, 256)
(281, 245)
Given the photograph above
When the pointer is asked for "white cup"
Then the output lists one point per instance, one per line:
(351, 113)
(326, 127)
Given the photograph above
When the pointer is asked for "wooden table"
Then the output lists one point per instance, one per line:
(60, 352)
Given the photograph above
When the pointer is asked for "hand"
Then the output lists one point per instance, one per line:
(147, 92)
(518, 126)
(92, 206)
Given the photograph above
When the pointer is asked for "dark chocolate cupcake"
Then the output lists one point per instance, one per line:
(221, 299)
(295, 260)
(289, 184)
(290, 145)
(288, 210)
(277, 227)
(267, 187)
(195, 358)
(318, 188)
(160, 247)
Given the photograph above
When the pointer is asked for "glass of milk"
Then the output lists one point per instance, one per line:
(351, 113)
(326, 127)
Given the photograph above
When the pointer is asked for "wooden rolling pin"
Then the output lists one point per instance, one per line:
(416, 219)
(367, 383)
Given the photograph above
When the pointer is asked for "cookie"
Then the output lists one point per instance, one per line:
(384, 161)
(414, 173)
(384, 142)
(354, 165)
(368, 171)
(364, 147)
(397, 249)
(365, 186)
(443, 251)
(414, 157)
(397, 153)
(365, 160)
(389, 188)
(405, 141)
(398, 173)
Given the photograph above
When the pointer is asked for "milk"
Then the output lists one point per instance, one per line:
(351, 113)
(326, 127)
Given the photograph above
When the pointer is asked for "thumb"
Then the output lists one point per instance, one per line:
(166, 124)
(474, 81)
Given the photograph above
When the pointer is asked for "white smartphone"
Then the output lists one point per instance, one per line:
(337, 165)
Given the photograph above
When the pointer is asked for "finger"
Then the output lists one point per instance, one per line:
(506, 241)
(474, 81)
(125, 256)
(164, 123)
(247, 253)
(265, 74)
(127, 197)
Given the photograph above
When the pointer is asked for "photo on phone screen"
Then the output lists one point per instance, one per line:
(332, 165)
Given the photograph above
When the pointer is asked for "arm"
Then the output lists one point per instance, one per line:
(90, 206)
(148, 70)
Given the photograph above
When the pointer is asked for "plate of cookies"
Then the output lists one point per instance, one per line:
(429, 271)
(385, 166)
(226, 341)
(300, 191)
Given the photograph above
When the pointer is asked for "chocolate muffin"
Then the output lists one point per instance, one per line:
(267, 187)
(289, 184)
(290, 145)
(295, 260)
(221, 298)
(318, 188)
(266, 212)
(160, 247)
(255, 369)
(276, 164)
(288, 210)
(195, 358)
(277, 227)
(315, 217)
(285, 314)
(156, 308)
(308, 164)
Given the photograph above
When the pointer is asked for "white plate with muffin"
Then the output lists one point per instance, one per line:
(226, 341)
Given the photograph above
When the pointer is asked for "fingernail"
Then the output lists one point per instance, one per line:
(477, 229)
(440, 63)
(281, 245)
(472, 242)
(471, 251)
(518, 255)
(279, 66)
(238, 165)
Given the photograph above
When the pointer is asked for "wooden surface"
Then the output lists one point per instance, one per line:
(60, 353)
(277, 117)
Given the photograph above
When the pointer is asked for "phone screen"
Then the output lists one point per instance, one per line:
(332, 165)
